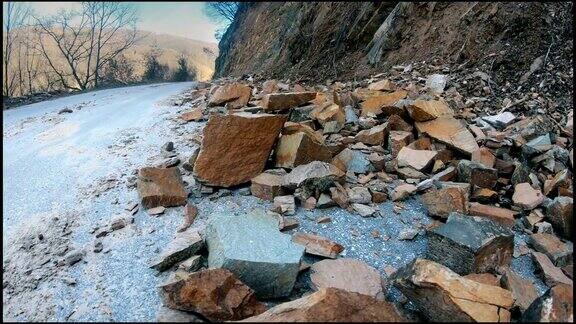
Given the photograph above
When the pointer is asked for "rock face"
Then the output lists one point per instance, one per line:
(234, 95)
(450, 131)
(267, 185)
(347, 274)
(556, 305)
(469, 244)
(443, 296)
(560, 213)
(283, 101)
(185, 245)
(318, 245)
(216, 294)
(299, 148)
(331, 305)
(252, 248)
(235, 147)
(161, 187)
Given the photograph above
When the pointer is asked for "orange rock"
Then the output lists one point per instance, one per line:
(396, 123)
(318, 245)
(293, 128)
(397, 140)
(374, 105)
(283, 101)
(193, 115)
(417, 159)
(484, 156)
(234, 95)
(373, 136)
(523, 290)
(442, 202)
(450, 131)
(499, 215)
(484, 278)
(270, 86)
(527, 197)
(382, 85)
(299, 148)
(423, 110)
(161, 187)
(235, 147)
(327, 113)
(267, 185)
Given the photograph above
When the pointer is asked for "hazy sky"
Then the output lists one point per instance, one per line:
(177, 18)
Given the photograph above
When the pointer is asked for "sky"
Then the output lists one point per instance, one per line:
(184, 19)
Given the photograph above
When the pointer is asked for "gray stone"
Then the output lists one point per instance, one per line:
(351, 117)
(501, 120)
(314, 176)
(360, 195)
(325, 201)
(73, 257)
(407, 234)
(253, 249)
(537, 145)
(521, 174)
(300, 114)
(353, 160)
(470, 244)
(169, 146)
(185, 245)
(364, 210)
(167, 315)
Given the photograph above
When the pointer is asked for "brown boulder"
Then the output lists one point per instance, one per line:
(299, 148)
(497, 214)
(161, 187)
(216, 294)
(416, 159)
(373, 136)
(442, 295)
(267, 185)
(382, 85)
(375, 104)
(332, 305)
(527, 197)
(451, 132)
(283, 101)
(556, 305)
(318, 245)
(560, 253)
(523, 290)
(329, 112)
(560, 213)
(551, 274)
(235, 147)
(193, 115)
(443, 201)
(484, 156)
(234, 95)
(425, 110)
(397, 140)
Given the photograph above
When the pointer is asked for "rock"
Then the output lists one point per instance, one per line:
(234, 95)
(436, 83)
(523, 290)
(252, 247)
(191, 264)
(373, 136)
(477, 174)
(364, 211)
(417, 159)
(161, 187)
(332, 305)
(318, 245)
(285, 205)
(236, 147)
(551, 274)
(65, 110)
(156, 210)
(167, 315)
(190, 213)
(561, 179)
(347, 274)
(402, 191)
(359, 195)
(484, 278)
(353, 160)
(116, 224)
(374, 105)
(185, 245)
(560, 213)
(484, 195)
(267, 185)
(543, 227)
(556, 305)
(73, 257)
(382, 85)
(215, 293)
(288, 223)
(499, 215)
(329, 112)
(407, 234)
(469, 244)
(283, 101)
(501, 120)
(451, 132)
(442, 295)
(270, 86)
(298, 149)
(397, 140)
(537, 145)
(300, 114)
(313, 176)
(442, 202)
(396, 123)
(169, 147)
(520, 174)
(324, 201)
(558, 252)
(98, 247)
(484, 156)
(527, 197)
(351, 117)
(195, 114)
(422, 110)
(323, 220)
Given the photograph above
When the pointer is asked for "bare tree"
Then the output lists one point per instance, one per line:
(221, 11)
(16, 14)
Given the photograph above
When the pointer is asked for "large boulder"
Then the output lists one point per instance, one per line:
(284, 101)
(252, 247)
(215, 293)
(470, 244)
(332, 305)
(450, 131)
(444, 296)
(235, 147)
(234, 96)
(161, 187)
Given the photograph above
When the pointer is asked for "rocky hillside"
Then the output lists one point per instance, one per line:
(334, 40)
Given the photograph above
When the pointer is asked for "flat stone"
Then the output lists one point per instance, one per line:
(527, 197)
(417, 159)
(560, 214)
(556, 305)
(375, 105)
(443, 296)
(407, 234)
(332, 305)
(318, 245)
(403, 191)
(558, 252)
(523, 290)
(329, 112)
(425, 110)
(315, 175)
(161, 187)
(382, 85)
(284, 101)
(501, 120)
(470, 244)
(373, 136)
(451, 132)
(499, 215)
(195, 114)
(234, 95)
(190, 213)
(267, 185)
(551, 274)
(156, 210)
(347, 274)
(185, 245)
(298, 149)
(364, 210)
(252, 247)
(359, 195)
(215, 293)
(235, 147)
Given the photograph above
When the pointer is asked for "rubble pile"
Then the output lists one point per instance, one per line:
(483, 176)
